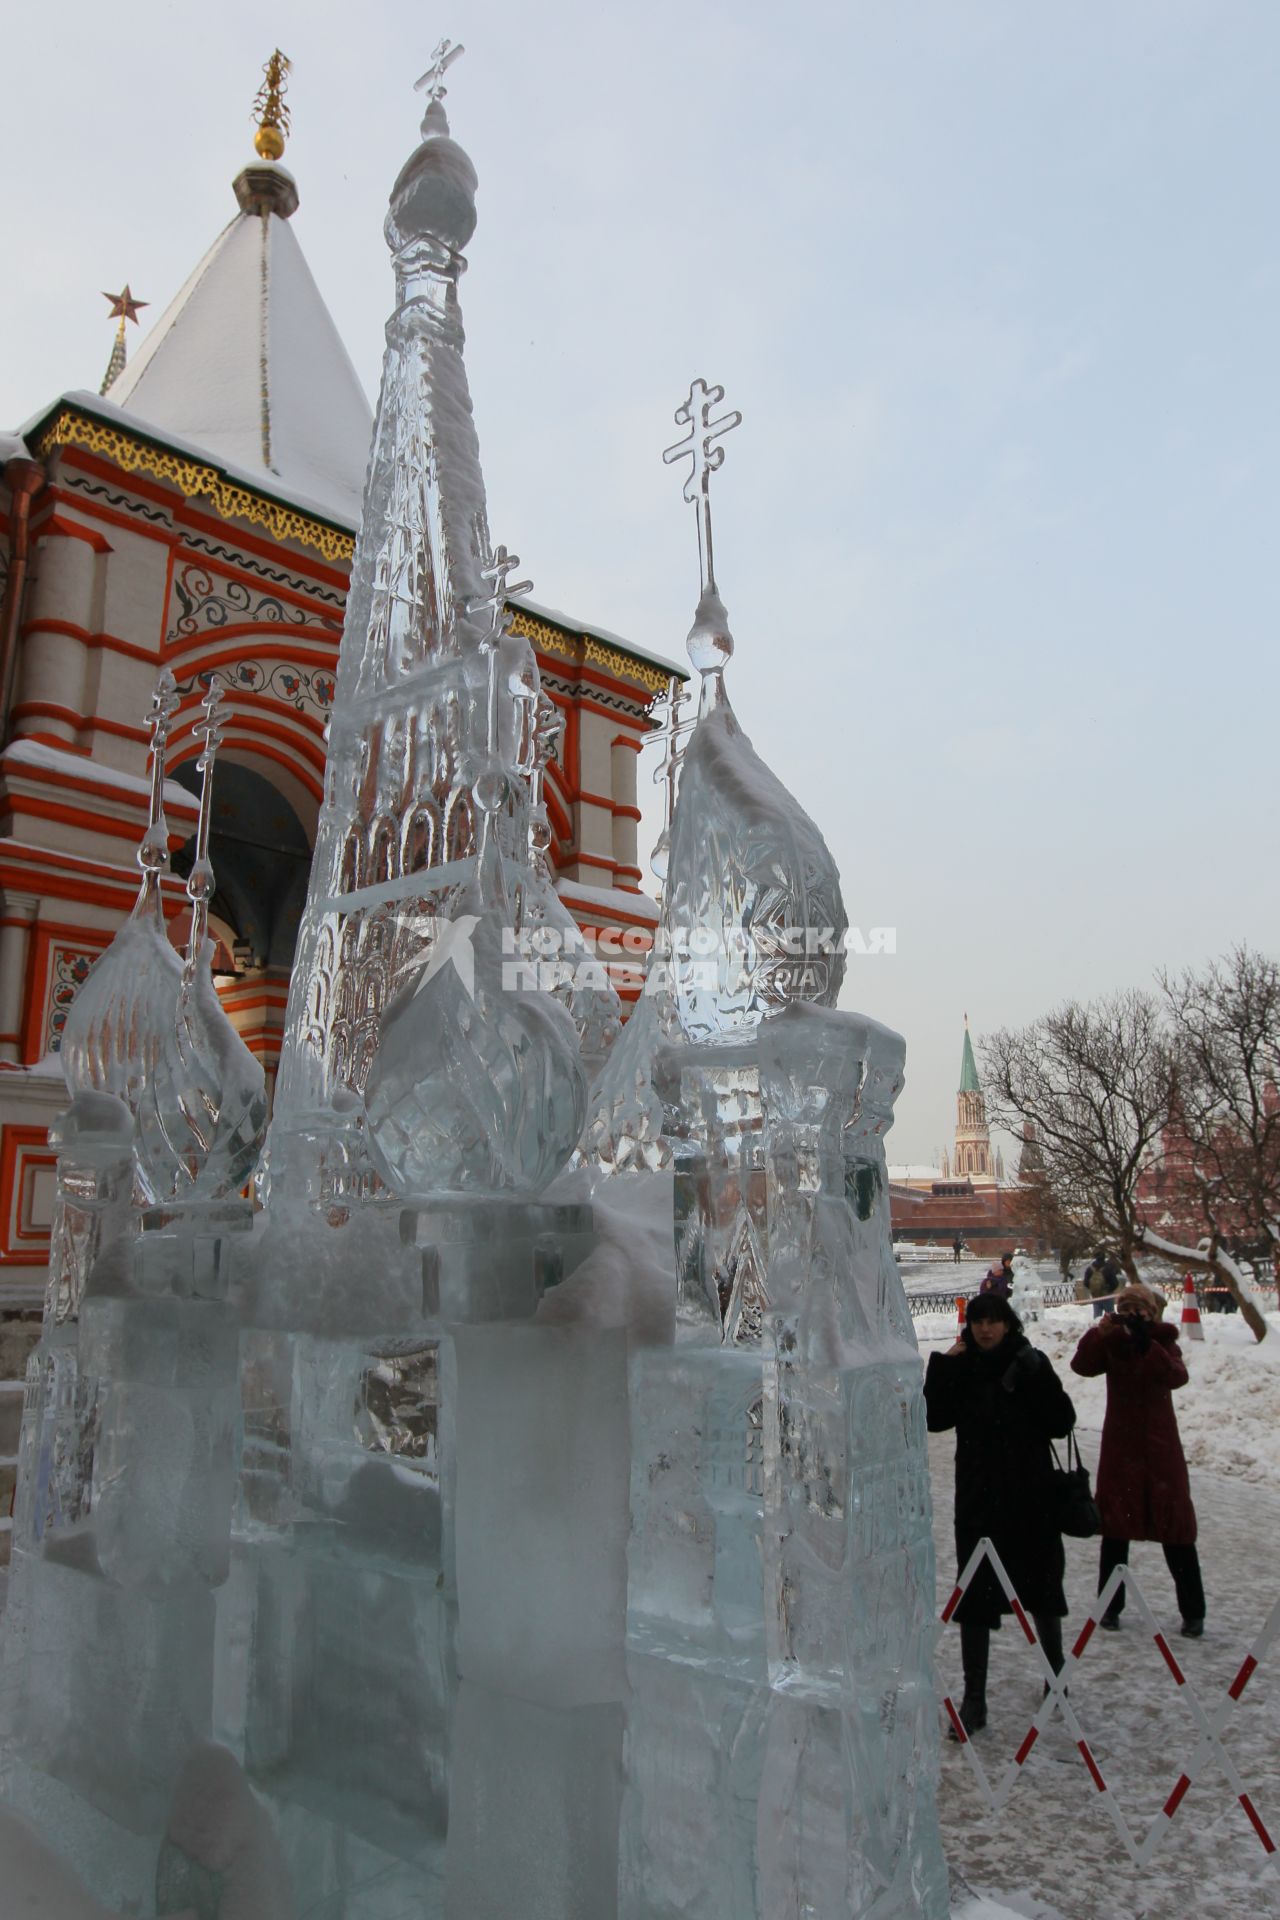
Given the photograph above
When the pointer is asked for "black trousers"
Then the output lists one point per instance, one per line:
(975, 1651)
(1182, 1562)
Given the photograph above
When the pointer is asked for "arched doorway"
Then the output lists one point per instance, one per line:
(261, 860)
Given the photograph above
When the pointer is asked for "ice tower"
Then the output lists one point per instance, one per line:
(435, 729)
(459, 1534)
(780, 1597)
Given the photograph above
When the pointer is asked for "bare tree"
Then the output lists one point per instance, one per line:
(1036, 1212)
(1227, 1020)
(1098, 1083)
(1226, 1026)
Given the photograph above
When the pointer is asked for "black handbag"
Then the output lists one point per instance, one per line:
(1074, 1507)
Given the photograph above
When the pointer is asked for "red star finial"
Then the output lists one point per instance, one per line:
(124, 306)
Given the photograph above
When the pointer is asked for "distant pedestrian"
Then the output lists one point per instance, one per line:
(1103, 1277)
(999, 1277)
(1143, 1489)
(1006, 1404)
(957, 1248)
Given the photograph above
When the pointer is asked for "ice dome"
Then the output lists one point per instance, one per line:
(434, 197)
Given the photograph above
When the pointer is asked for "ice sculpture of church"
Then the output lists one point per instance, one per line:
(522, 1510)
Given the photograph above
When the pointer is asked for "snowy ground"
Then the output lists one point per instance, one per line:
(1053, 1849)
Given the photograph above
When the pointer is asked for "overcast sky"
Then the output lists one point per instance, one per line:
(996, 288)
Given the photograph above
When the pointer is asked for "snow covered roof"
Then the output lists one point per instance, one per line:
(75, 767)
(247, 365)
(572, 624)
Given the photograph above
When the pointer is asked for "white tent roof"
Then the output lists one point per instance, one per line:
(247, 364)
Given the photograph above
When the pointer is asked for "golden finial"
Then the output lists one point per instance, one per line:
(270, 110)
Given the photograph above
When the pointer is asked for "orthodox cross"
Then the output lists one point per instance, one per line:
(700, 446)
(432, 81)
(209, 731)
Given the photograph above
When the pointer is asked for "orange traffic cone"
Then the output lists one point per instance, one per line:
(1191, 1311)
(962, 1301)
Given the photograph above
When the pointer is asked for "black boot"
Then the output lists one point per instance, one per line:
(1049, 1631)
(975, 1649)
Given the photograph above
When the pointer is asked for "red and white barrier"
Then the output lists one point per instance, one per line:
(1208, 1748)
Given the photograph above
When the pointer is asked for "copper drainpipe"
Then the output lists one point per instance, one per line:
(24, 478)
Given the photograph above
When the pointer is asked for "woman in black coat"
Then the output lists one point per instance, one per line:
(1006, 1403)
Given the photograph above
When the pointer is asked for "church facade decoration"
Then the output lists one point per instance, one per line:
(135, 453)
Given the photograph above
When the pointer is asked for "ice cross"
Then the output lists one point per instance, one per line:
(200, 878)
(432, 81)
(699, 445)
(154, 848)
(210, 729)
(499, 570)
(672, 726)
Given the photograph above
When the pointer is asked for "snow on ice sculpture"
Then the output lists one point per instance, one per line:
(478, 1082)
(202, 1114)
(122, 1016)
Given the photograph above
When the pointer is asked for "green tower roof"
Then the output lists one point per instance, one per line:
(969, 1082)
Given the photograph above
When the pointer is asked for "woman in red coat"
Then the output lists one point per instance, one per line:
(1143, 1492)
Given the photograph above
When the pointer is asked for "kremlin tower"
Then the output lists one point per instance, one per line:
(972, 1158)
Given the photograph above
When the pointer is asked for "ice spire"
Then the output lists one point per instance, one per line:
(396, 836)
(424, 835)
(202, 1115)
(123, 1013)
